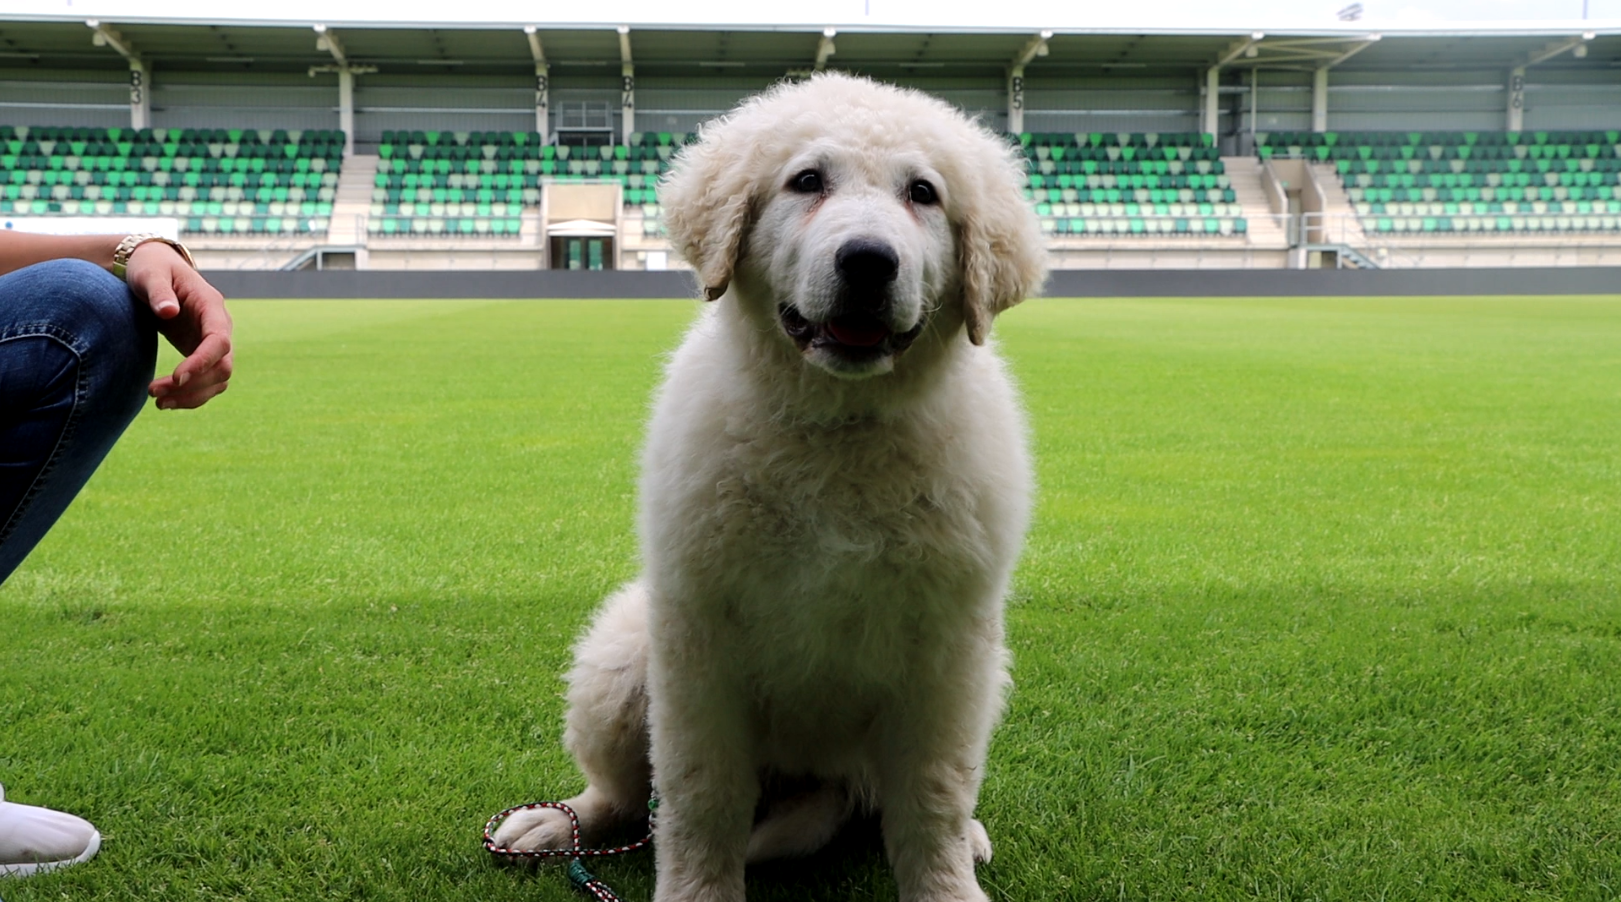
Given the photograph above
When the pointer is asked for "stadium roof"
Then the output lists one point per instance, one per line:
(60, 41)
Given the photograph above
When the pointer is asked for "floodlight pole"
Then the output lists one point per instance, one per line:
(140, 75)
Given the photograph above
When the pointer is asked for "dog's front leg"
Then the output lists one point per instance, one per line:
(929, 832)
(703, 765)
(930, 768)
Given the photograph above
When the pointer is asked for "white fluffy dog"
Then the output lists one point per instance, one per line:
(835, 489)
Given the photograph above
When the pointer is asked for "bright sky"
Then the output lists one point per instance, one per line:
(1224, 15)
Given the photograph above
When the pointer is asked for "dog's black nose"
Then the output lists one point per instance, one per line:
(868, 264)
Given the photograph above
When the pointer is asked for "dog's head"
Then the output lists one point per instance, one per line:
(859, 213)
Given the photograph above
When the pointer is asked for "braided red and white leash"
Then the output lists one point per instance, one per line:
(577, 874)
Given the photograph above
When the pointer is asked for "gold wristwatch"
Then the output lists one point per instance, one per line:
(126, 248)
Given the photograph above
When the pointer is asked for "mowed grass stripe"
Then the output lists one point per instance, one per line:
(1321, 601)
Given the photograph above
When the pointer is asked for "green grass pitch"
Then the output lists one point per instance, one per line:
(1322, 601)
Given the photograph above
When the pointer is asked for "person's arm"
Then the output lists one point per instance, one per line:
(191, 313)
(20, 249)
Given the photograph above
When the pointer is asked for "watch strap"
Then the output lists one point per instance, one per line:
(126, 249)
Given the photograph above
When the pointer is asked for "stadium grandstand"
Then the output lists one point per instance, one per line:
(527, 145)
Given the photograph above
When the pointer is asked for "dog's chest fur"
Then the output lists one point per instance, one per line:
(839, 560)
(841, 574)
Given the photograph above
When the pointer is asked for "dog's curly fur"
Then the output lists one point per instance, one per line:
(835, 489)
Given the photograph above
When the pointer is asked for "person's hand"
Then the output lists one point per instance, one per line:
(191, 315)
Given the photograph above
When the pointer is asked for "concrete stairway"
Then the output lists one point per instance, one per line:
(352, 204)
(1342, 226)
(1265, 229)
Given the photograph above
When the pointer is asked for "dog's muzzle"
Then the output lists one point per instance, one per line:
(857, 330)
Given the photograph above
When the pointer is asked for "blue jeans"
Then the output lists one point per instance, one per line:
(76, 356)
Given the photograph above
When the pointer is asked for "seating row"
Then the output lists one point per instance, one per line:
(1447, 138)
(1134, 195)
(255, 225)
(1511, 224)
(1439, 153)
(1478, 195)
(1092, 169)
(1117, 210)
(1116, 139)
(430, 138)
(453, 210)
(1580, 178)
(530, 174)
(429, 226)
(160, 136)
(1142, 226)
(140, 193)
(130, 178)
(1452, 208)
(509, 146)
(309, 217)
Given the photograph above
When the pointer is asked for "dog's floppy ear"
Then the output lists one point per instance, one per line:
(1004, 257)
(706, 198)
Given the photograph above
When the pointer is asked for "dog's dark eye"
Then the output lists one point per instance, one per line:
(807, 182)
(922, 192)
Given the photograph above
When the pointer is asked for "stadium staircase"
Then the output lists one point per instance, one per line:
(1265, 226)
(344, 246)
(352, 202)
(1337, 230)
(1344, 226)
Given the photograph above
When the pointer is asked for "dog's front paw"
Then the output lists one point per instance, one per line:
(535, 829)
(979, 842)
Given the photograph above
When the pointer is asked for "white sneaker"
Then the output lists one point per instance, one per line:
(34, 840)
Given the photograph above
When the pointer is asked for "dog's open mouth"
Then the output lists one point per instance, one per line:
(854, 336)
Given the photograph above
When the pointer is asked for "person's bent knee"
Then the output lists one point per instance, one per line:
(93, 312)
(84, 300)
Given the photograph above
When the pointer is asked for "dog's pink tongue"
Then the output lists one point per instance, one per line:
(857, 334)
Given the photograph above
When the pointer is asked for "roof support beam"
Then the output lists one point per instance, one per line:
(1036, 46)
(825, 48)
(1556, 48)
(1319, 99)
(326, 39)
(1319, 82)
(543, 85)
(140, 74)
(1210, 122)
(1514, 112)
(627, 85)
(1241, 47)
